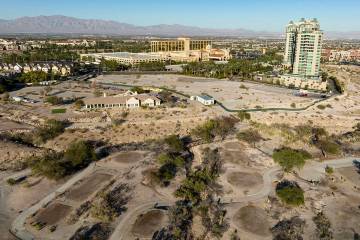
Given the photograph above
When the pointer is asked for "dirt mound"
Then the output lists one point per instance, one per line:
(252, 219)
(146, 224)
(244, 179)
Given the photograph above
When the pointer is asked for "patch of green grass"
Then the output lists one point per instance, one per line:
(58, 110)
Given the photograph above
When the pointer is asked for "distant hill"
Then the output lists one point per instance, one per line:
(69, 25)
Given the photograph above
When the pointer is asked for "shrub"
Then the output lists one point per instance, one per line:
(166, 173)
(54, 165)
(51, 129)
(49, 165)
(79, 103)
(174, 143)
(328, 146)
(11, 181)
(243, 87)
(139, 90)
(323, 227)
(54, 100)
(290, 193)
(321, 107)
(80, 154)
(250, 136)
(329, 170)
(293, 105)
(289, 229)
(289, 158)
(215, 127)
(244, 116)
(111, 204)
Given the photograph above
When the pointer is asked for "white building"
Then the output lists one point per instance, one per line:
(204, 99)
(126, 57)
(303, 48)
(140, 100)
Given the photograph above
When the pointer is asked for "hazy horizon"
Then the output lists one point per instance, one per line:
(257, 15)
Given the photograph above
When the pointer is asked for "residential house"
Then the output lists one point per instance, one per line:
(65, 70)
(45, 68)
(129, 102)
(27, 68)
(18, 68)
(54, 69)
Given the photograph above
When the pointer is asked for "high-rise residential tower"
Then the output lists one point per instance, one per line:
(303, 48)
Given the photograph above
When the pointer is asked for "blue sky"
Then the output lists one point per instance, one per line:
(269, 15)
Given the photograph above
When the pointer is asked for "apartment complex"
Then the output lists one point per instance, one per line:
(303, 48)
(179, 45)
(334, 55)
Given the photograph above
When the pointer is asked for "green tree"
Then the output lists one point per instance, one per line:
(289, 158)
(49, 130)
(290, 193)
(33, 77)
(175, 143)
(80, 154)
(79, 103)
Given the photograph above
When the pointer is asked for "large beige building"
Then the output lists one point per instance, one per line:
(188, 50)
(179, 45)
(179, 50)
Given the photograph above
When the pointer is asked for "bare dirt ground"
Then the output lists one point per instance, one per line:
(148, 223)
(52, 214)
(232, 94)
(244, 180)
(128, 157)
(252, 219)
(88, 186)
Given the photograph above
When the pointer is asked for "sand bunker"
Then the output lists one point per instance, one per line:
(53, 213)
(244, 179)
(252, 219)
(128, 157)
(83, 190)
(235, 157)
(234, 146)
(148, 223)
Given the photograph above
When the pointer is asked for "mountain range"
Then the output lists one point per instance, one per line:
(69, 25)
